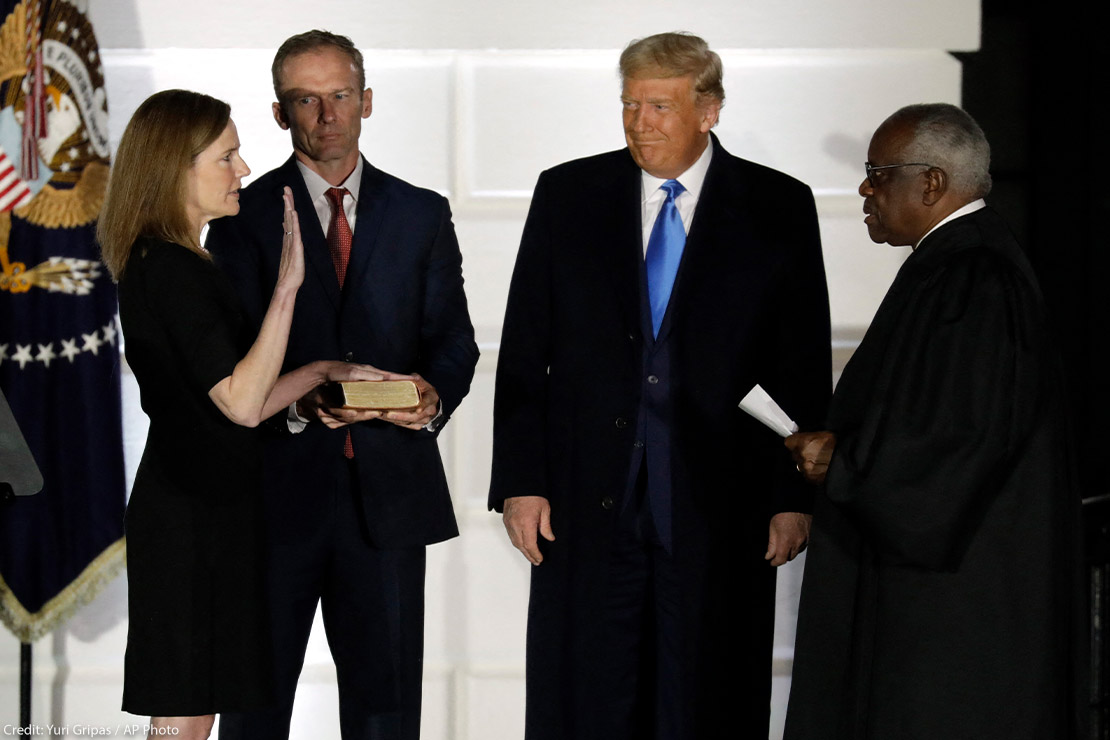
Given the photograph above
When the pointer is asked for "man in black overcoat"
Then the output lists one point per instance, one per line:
(654, 287)
(942, 594)
(352, 498)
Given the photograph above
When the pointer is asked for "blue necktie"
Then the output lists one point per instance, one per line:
(664, 252)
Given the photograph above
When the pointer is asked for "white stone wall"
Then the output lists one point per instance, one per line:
(474, 98)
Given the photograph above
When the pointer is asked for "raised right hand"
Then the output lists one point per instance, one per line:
(291, 268)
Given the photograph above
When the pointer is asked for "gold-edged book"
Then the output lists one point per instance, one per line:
(373, 394)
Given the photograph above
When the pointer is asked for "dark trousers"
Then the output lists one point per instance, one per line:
(643, 634)
(373, 608)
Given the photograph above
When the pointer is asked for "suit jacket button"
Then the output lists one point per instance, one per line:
(638, 444)
(653, 379)
(607, 503)
(621, 422)
(349, 356)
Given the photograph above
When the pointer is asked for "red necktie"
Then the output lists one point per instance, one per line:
(339, 244)
(339, 234)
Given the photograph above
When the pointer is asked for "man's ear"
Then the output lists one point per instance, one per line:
(367, 102)
(936, 185)
(709, 115)
(279, 116)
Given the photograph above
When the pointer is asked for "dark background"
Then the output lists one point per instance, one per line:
(1036, 88)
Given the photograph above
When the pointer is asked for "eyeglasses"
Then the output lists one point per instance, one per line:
(870, 169)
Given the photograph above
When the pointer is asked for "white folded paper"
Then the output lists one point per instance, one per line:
(763, 407)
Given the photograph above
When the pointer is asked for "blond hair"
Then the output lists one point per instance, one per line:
(676, 54)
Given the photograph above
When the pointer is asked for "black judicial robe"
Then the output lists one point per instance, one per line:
(941, 596)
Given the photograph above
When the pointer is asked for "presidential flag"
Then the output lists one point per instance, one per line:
(59, 356)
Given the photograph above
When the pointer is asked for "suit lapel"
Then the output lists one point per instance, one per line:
(620, 228)
(721, 202)
(316, 253)
(373, 201)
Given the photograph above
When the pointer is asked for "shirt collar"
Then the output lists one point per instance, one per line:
(692, 179)
(317, 185)
(971, 207)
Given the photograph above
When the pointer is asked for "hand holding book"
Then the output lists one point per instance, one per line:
(408, 401)
(380, 395)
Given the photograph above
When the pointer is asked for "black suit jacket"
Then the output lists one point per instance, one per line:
(402, 309)
(749, 306)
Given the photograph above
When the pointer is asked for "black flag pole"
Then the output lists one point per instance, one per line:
(19, 476)
(25, 686)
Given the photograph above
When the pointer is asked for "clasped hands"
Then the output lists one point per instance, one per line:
(812, 452)
(313, 404)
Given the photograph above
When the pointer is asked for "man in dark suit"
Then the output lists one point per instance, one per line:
(353, 497)
(654, 287)
(943, 595)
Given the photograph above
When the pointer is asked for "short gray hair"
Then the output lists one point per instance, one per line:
(945, 136)
(676, 54)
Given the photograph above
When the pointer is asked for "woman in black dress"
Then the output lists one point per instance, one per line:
(197, 639)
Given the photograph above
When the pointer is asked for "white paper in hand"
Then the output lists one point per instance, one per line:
(763, 407)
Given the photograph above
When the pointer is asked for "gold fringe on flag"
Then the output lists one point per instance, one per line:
(83, 589)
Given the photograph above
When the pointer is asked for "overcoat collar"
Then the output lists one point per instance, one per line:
(720, 204)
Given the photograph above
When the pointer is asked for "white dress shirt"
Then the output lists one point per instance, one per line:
(652, 197)
(318, 187)
(971, 207)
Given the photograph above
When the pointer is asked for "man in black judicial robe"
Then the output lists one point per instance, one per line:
(941, 594)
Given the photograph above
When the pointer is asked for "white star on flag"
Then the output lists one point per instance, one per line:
(92, 343)
(69, 349)
(110, 332)
(46, 353)
(22, 355)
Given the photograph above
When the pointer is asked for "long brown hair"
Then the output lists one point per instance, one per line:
(146, 193)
